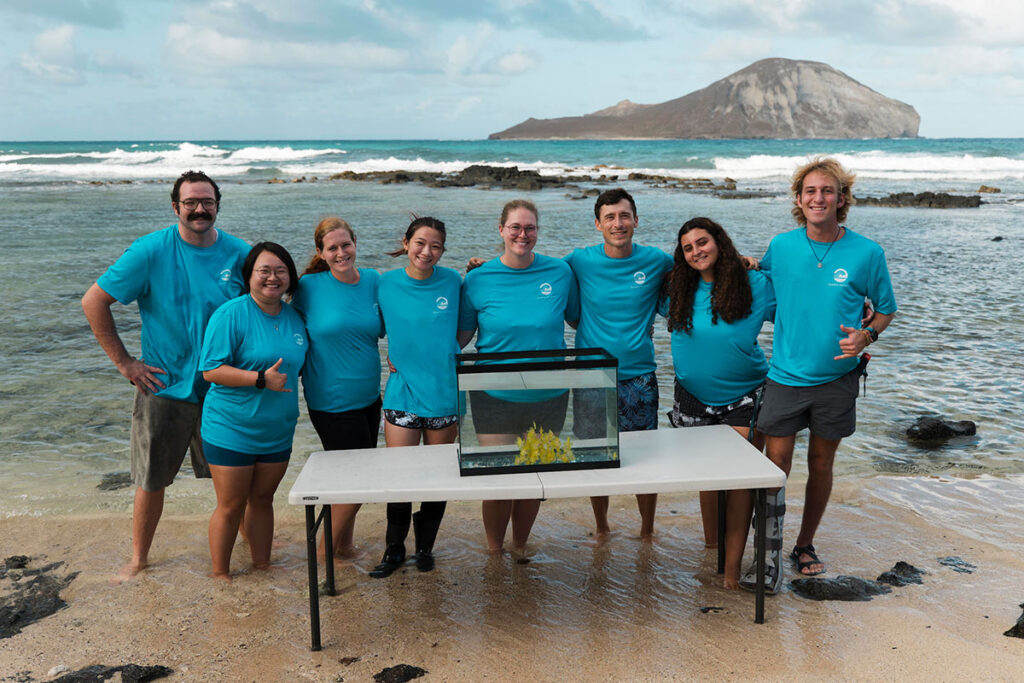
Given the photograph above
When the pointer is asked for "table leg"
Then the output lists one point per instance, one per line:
(328, 548)
(314, 593)
(761, 502)
(721, 531)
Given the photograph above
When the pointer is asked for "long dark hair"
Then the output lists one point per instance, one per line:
(731, 298)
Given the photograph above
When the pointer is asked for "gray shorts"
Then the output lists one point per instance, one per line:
(829, 409)
(162, 430)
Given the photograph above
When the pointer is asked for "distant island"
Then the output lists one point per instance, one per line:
(771, 98)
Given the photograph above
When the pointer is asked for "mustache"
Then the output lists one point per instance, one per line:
(199, 214)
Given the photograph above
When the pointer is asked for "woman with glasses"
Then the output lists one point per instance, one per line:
(519, 301)
(715, 309)
(420, 305)
(341, 378)
(253, 350)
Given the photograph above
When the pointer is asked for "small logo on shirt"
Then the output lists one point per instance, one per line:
(299, 341)
(442, 303)
(840, 275)
(225, 275)
(545, 289)
(639, 277)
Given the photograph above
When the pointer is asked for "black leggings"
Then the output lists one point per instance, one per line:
(348, 430)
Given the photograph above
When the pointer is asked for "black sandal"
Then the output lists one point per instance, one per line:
(801, 566)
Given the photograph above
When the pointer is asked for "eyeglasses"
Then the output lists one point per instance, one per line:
(516, 229)
(193, 203)
(279, 273)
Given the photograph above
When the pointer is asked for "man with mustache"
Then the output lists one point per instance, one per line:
(178, 276)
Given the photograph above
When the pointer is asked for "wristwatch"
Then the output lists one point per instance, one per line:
(872, 333)
(261, 379)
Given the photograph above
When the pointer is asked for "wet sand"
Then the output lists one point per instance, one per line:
(626, 611)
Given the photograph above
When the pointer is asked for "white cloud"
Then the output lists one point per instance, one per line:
(206, 48)
(53, 58)
(513, 63)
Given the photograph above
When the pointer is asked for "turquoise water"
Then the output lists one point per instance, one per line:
(64, 410)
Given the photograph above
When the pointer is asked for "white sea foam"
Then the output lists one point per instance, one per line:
(881, 165)
(257, 154)
(136, 161)
(417, 165)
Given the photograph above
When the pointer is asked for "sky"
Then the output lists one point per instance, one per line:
(462, 69)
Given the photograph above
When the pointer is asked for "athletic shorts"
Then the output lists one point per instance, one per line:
(637, 402)
(348, 430)
(401, 418)
(162, 430)
(830, 409)
(689, 411)
(226, 457)
(494, 416)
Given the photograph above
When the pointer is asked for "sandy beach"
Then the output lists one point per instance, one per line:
(626, 611)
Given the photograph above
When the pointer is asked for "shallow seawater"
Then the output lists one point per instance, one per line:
(64, 410)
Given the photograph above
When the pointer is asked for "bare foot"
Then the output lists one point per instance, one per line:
(348, 552)
(269, 567)
(495, 550)
(598, 539)
(731, 583)
(647, 538)
(518, 555)
(127, 572)
(226, 578)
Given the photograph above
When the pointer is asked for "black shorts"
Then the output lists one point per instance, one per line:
(830, 409)
(494, 416)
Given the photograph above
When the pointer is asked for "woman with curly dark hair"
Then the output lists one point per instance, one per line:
(715, 308)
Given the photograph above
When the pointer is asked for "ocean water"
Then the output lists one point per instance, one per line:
(71, 208)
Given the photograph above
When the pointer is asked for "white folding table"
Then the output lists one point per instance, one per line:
(658, 461)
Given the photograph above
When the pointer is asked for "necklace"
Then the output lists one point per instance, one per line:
(830, 245)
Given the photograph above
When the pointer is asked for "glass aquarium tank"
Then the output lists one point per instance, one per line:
(535, 411)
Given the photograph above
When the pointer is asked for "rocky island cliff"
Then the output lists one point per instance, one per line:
(772, 98)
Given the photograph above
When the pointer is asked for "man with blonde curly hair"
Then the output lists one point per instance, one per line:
(822, 274)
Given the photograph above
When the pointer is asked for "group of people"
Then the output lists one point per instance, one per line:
(222, 350)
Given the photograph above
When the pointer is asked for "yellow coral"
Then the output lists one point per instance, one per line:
(542, 447)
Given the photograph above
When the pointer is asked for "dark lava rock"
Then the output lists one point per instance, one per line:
(113, 481)
(130, 673)
(997, 238)
(35, 596)
(1017, 630)
(937, 429)
(849, 588)
(400, 673)
(705, 610)
(925, 200)
(902, 574)
(957, 564)
(16, 562)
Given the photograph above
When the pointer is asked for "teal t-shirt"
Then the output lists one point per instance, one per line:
(618, 300)
(343, 321)
(813, 302)
(241, 335)
(177, 286)
(520, 309)
(719, 363)
(421, 317)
